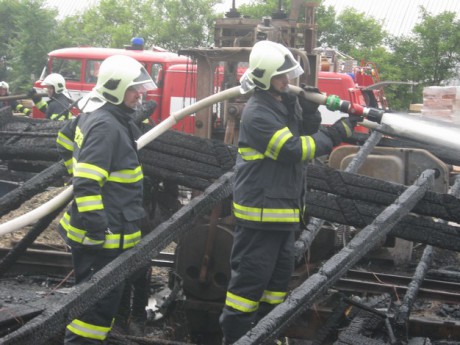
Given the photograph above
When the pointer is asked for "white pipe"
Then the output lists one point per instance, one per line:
(59, 200)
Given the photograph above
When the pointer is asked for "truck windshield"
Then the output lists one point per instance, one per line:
(70, 69)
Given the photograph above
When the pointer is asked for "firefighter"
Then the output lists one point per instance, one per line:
(272, 147)
(102, 221)
(59, 105)
(16, 106)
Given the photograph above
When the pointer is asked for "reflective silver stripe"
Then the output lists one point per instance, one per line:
(277, 142)
(126, 176)
(65, 142)
(249, 154)
(88, 330)
(89, 171)
(273, 297)
(289, 215)
(242, 304)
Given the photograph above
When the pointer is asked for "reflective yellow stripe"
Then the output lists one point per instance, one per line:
(89, 203)
(90, 171)
(348, 130)
(90, 242)
(277, 142)
(64, 141)
(112, 241)
(61, 117)
(308, 148)
(69, 165)
(273, 297)
(242, 304)
(126, 176)
(41, 104)
(250, 154)
(88, 330)
(256, 214)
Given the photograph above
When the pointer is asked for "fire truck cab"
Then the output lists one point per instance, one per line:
(174, 75)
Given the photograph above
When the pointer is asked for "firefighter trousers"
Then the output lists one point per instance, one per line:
(93, 326)
(262, 262)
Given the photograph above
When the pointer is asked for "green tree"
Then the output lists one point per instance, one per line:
(170, 24)
(431, 54)
(354, 32)
(27, 38)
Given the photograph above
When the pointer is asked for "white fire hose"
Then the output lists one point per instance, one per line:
(405, 126)
(62, 198)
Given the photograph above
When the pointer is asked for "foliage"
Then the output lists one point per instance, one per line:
(26, 39)
(431, 55)
(28, 31)
(170, 24)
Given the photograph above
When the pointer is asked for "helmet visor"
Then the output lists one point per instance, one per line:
(246, 84)
(144, 87)
(295, 73)
(143, 82)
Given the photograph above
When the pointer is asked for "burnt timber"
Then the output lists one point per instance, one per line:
(385, 214)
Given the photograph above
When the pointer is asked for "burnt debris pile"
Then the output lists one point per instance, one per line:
(330, 301)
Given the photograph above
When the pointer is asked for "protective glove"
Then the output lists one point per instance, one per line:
(308, 106)
(341, 130)
(32, 93)
(311, 122)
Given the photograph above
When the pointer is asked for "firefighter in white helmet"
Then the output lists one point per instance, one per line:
(102, 221)
(15, 106)
(278, 133)
(59, 105)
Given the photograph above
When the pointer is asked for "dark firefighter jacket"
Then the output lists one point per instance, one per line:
(107, 180)
(15, 106)
(271, 151)
(57, 108)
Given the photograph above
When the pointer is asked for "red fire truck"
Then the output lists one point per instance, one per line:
(176, 79)
(174, 75)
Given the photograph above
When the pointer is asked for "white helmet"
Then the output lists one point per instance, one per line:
(268, 59)
(56, 80)
(4, 85)
(116, 74)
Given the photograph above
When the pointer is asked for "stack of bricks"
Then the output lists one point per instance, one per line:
(442, 103)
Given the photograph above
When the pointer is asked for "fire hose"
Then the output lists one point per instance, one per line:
(62, 198)
(413, 127)
(406, 126)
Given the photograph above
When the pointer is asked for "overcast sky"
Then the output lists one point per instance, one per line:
(397, 16)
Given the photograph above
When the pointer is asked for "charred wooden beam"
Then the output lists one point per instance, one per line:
(35, 185)
(307, 236)
(380, 192)
(174, 156)
(27, 240)
(402, 314)
(302, 297)
(55, 317)
(411, 227)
